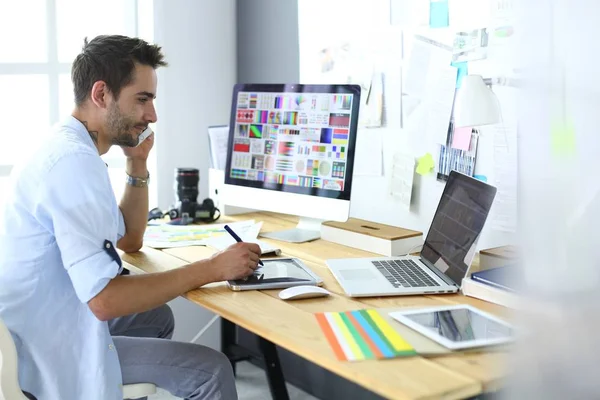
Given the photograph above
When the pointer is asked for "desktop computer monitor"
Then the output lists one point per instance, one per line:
(291, 150)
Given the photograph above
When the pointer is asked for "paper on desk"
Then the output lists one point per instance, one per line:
(165, 236)
(249, 235)
(401, 181)
(368, 160)
(439, 100)
(218, 137)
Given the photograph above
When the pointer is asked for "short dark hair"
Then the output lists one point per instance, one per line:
(111, 58)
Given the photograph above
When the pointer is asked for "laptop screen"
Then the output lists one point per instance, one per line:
(457, 225)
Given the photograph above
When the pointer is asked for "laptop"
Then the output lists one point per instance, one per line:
(447, 252)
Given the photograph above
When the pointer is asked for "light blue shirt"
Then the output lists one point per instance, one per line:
(60, 211)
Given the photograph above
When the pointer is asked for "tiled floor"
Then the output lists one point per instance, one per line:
(251, 385)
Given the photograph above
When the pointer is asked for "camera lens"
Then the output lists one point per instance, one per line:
(186, 184)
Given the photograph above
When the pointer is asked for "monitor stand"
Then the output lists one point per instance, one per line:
(307, 229)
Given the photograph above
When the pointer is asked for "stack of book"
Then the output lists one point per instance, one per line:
(498, 280)
(495, 285)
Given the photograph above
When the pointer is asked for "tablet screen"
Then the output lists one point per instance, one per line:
(283, 270)
(461, 325)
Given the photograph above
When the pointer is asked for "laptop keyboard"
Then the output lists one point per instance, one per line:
(404, 273)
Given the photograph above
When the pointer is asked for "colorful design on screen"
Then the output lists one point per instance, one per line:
(273, 177)
(339, 169)
(261, 117)
(340, 136)
(270, 147)
(241, 145)
(339, 120)
(253, 100)
(342, 102)
(239, 173)
(256, 131)
(242, 131)
(306, 181)
(312, 167)
(290, 118)
(286, 149)
(245, 116)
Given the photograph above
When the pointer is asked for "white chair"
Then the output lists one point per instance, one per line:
(9, 382)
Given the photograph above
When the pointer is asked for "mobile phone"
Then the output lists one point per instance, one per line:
(144, 135)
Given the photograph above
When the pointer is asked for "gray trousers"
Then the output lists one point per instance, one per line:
(186, 370)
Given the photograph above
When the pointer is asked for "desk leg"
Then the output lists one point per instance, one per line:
(228, 340)
(273, 370)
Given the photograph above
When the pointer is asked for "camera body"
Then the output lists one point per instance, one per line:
(187, 212)
(186, 209)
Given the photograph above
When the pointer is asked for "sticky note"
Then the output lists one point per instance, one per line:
(562, 137)
(461, 138)
(482, 178)
(463, 70)
(439, 15)
(425, 164)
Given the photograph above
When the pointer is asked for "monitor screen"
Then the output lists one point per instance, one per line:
(457, 224)
(293, 138)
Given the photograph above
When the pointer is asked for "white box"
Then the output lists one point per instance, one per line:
(370, 236)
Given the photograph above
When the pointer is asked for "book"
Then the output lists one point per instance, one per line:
(370, 236)
(489, 293)
(362, 335)
(499, 277)
(497, 257)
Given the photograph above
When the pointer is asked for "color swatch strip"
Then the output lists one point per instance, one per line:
(362, 335)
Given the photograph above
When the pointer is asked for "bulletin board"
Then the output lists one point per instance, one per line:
(379, 45)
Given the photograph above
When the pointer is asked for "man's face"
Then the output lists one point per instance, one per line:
(130, 115)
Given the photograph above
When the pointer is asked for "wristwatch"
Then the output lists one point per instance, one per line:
(137, 182)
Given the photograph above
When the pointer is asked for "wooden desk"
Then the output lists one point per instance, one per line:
(293, 326)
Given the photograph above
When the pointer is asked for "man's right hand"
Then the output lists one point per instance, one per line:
(236, 262)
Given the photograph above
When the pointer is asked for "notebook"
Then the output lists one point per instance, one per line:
(500, 277)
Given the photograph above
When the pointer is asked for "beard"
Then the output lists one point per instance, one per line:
(120, 126)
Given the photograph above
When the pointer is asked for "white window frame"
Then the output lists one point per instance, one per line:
(53, 69)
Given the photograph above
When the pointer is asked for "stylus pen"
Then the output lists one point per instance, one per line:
(238, 239)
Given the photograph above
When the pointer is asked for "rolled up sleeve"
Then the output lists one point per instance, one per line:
(81, 206)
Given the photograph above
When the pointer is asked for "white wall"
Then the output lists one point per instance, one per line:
(199, 42)
(194, 91)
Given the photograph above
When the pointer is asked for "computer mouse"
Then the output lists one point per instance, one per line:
(303, 292)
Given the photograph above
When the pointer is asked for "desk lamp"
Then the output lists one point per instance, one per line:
(475, 104)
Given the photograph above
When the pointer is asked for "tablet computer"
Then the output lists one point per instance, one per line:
(457, 327)
(278, 273)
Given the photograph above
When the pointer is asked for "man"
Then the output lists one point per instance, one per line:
(61, 291)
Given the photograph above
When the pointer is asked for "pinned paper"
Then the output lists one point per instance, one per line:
(401, 180)
(439, 14)
(425, 164)
(463, 70)
(461, 138)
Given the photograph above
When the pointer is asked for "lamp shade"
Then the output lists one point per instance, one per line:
(475, 103)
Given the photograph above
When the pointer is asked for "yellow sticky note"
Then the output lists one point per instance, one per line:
(425, 164)
(562, 137)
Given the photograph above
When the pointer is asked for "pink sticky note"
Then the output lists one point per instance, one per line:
(462, 138)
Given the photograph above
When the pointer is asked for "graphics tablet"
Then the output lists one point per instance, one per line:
(279, 273)
(457, 327)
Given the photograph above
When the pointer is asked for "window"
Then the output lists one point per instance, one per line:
(39, 40)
